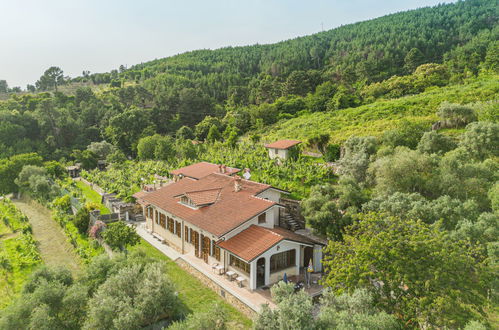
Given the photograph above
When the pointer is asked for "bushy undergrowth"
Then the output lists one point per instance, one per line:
(19, 254)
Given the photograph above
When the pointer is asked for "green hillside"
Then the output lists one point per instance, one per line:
(375, 118)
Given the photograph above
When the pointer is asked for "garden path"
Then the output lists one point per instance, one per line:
(54, 248)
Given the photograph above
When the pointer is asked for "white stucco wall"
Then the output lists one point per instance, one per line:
(278, 153)
(274, 277)
(270, 194)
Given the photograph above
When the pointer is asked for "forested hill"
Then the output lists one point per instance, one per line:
(243, 89)
(371, 50)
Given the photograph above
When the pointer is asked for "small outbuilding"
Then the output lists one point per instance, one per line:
(74, 170)
(282, 148)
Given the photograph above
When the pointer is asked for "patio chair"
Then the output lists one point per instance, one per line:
(214, 266)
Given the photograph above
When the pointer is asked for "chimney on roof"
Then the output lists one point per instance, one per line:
(237, 183)
(220, 168)
(224, 169)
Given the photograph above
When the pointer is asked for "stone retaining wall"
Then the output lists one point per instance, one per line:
(232, 300)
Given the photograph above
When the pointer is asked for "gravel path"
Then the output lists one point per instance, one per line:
(54, 248)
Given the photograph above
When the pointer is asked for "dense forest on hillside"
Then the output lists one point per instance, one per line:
(398, 169)
(250, 87)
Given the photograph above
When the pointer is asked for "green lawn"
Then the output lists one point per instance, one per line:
(196, 296)
(92, 196)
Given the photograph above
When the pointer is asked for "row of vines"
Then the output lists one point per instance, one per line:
(296, 176)
(19, 254)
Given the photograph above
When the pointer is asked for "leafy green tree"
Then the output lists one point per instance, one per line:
(202, 129)
(463, 178)
(447, 211)
(87, 158)
(413, 59)
(322, 213)
(214, 134)
(126, 128)
(132, 298)
(49, 300)
(102, 149)
(116, 157)
(406, 171)
(81, 220)
(24, 178)
(481, 231)
(343, 98)
(51, 78)
(10, 169)
(54, 169)
(493, 195)
(455, 115)
(147, 146)
(355, 311)
(165, 148)
(323, 94)
(294, 310)
(388, 256)
(213, 319)
(492, 57)
(185, 132)
(480, 140)
(231, 136)
(356, 157)
(407, 135)
(118, 235)
(350, 194)
(185, 149)
(435, 143)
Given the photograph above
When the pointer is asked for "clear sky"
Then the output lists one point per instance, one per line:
(100, 35)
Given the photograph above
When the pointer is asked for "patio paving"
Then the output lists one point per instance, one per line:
(253, 299)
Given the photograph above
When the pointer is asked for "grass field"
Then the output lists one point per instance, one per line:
(92, 196)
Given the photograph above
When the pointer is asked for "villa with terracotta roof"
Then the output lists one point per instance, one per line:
(229, 223)
(281, 149)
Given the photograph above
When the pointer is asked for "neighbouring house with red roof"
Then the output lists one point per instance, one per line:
(281, 149)
(227, 221)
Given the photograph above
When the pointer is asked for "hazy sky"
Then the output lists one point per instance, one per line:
(99, 35)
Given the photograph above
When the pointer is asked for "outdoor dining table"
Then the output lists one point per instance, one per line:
(240, 280)
(219, 268)
(230, 275)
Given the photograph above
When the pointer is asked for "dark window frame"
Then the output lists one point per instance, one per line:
(282, 260)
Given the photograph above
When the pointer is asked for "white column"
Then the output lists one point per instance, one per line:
(297, 259)
(267, 270)
(252, 280)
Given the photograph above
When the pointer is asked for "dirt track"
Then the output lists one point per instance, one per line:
(54, 248)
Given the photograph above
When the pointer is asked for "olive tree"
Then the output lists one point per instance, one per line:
(412, 269)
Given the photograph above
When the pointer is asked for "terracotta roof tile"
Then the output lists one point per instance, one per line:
(255, 240)
(139, 194)
(202, 169)
(204, 197)
(282, 144)
(229, 211)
